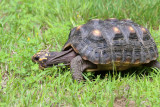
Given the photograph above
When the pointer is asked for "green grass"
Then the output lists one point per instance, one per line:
(27, 26)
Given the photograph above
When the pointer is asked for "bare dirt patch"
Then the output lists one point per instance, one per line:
(123, 102)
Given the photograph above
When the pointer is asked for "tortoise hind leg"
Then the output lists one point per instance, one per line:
(153, 64)
(78, 65)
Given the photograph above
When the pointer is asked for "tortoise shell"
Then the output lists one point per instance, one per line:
(121, 42)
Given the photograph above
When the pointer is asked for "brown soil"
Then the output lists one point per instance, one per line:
(123, 102)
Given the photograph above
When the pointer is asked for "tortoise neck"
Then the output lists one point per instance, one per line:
(61, 57)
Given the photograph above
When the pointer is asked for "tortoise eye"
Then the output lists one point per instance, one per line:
(36, 58)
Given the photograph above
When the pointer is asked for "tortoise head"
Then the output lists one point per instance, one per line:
(47, 59)
(41, 58)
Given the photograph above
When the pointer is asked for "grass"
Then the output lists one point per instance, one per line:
(27, 26)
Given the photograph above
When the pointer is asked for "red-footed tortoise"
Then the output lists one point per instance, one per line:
(104, 45)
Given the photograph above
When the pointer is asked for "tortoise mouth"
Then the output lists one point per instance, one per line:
(42, 66)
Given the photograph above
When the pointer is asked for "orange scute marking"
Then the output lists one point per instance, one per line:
(112, 19)
(155, 57)
(137, 62)
(147, 61)
(143, 29)
(79, 27)
(96, 33)
(68, 45)
(84, 57)
(127, 61)
(131, 29)
(116, 30)
(118, 59)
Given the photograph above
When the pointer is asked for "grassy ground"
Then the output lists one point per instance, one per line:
(27, 26)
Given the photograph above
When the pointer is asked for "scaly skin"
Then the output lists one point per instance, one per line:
(78, 65)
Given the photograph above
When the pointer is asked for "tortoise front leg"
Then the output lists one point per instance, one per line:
(78, 65)
(153, 64)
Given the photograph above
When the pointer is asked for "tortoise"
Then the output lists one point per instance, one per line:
(104, 45)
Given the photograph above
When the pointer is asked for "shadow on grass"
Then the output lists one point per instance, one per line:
(139, 72)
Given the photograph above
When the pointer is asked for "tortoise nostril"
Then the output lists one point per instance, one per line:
(36, 58)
